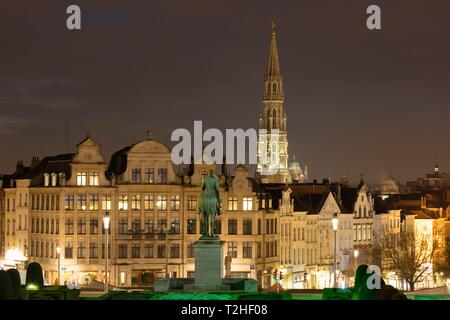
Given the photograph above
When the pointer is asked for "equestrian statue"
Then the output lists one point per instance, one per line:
(209, 206)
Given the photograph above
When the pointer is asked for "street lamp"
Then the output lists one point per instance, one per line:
(106, 220)
(335, 223)
(58, 253)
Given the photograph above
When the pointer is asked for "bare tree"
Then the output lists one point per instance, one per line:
(411, 255)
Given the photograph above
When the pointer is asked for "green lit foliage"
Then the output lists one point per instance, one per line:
(15, 283)
(35, 278)
(360, 273)
(6, 292)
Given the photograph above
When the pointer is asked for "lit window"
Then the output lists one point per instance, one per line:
(136, 202)
(106, 202)
(93, 202)
(232, 203)
(161, 203)
(123, 202)
(148, 202)
(175, 203)
(192, 203)
(149, 175)
(81, 202)
(53, 179)
(81, 178)
(69, 202)
(93, 178)
(46, 179)
(247, 203)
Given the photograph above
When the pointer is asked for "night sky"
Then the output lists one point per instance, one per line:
(357, 100)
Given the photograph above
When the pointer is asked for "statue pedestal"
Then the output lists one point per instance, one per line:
(208, 266)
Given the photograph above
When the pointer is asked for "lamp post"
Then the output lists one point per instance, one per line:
(106, 220)
(335, 223)
(167, 253)
(58, 253)
(167, 230)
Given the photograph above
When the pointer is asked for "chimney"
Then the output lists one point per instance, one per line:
(34, 162)
(19, 168)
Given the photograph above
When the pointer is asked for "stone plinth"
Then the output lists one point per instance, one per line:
(208, 266)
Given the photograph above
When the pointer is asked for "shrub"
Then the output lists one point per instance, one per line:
(386, 292)
(35, 276)
(5, 286)
(360, 274)
(399, 296)
(14, 276)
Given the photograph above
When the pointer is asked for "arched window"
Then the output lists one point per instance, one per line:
(46, 179)
(274, 88)
(274, 116)
(359, 211)
(365, 211)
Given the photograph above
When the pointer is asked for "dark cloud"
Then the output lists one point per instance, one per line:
(357, 100)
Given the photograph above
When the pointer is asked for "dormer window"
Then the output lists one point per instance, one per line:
(81, 178)
(46, 179)
(247, 203)
(136, 175)
(93, 179)
(53, 179)
(162, 175)
(149, 175)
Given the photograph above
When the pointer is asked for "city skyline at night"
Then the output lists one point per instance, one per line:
(224, 150)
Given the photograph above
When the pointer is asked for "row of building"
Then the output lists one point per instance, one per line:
(60, 201)
(52, 211)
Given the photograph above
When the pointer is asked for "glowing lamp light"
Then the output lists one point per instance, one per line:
(356, 253)
(106, 220)
(58, 250)
(32, 286)
(14, 254)
(335, 222)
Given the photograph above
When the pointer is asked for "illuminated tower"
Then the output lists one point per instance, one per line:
(272, 139)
